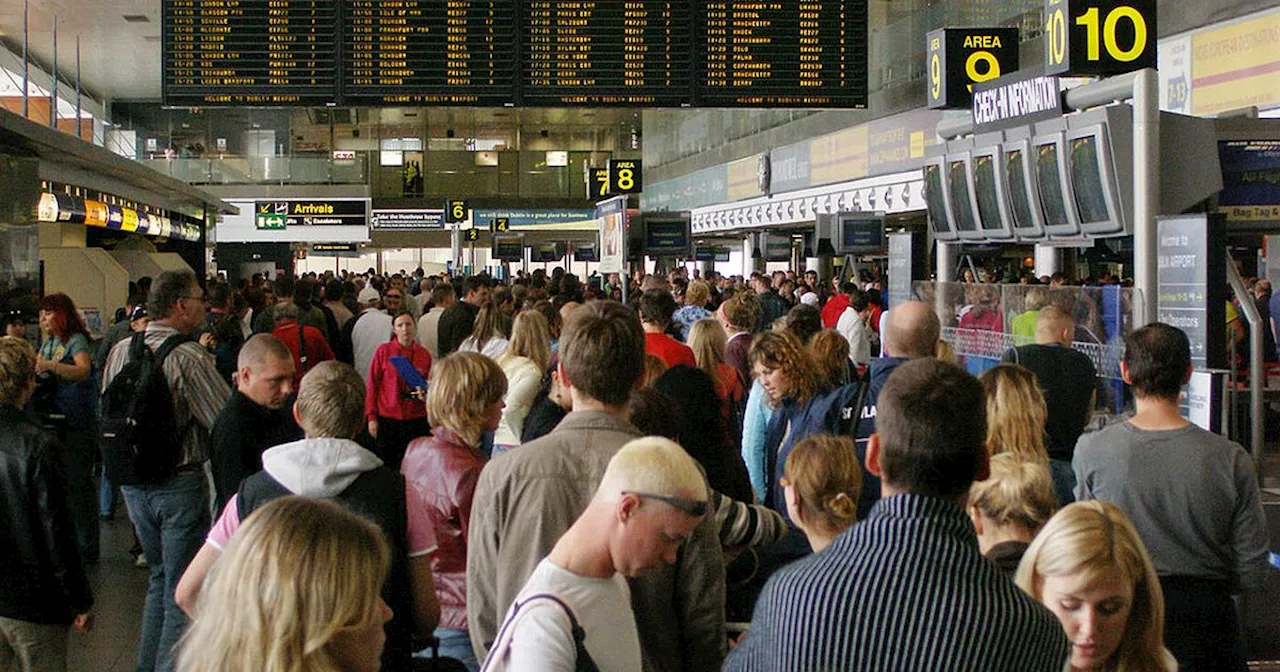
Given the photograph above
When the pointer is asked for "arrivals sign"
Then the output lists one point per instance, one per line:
(959, 58)
(311, 212)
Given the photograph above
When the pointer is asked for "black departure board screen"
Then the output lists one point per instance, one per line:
(536, 53)
(429, 52)
(250, 52)
(784, 54)
(628, 52)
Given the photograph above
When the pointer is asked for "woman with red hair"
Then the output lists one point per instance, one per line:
(63, 362)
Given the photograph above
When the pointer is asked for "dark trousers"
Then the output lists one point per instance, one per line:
(1201, 628)
(394, 437)
(78, 451)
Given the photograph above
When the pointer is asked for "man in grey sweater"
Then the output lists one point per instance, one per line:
(1191, 494)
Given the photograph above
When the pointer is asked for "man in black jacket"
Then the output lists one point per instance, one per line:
(457, 322)
(42, 583)
(257, 415)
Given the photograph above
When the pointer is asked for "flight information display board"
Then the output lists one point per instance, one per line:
(645, 53)
(249, 52)
(632, 52)
(784, 54)
(429, 52)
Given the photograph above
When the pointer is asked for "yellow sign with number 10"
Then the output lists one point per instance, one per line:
(1099, 37)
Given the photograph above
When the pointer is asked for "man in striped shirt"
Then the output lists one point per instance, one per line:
(171, 518)
(907, 589)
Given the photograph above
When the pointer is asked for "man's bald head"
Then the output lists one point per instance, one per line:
(911, 330)
(1054, 325)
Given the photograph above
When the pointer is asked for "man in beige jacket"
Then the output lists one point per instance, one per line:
(525, 500)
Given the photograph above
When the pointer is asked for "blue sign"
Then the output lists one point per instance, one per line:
(1250, 179)
(532, 217)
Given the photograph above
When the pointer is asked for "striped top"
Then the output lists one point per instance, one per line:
(906, 589)
(198, 391)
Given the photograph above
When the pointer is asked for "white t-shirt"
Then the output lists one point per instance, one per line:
(372, 330)
(857, 333)
(541, 637)
(493, 348)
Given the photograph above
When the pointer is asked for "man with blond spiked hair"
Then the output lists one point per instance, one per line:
(576, 604)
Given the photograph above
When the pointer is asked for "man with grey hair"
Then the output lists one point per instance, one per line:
(257, 416)
(649, 501)
(329, 464)
(171, 517)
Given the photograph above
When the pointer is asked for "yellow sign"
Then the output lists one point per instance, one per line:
(1099, 37)
(1236, 66)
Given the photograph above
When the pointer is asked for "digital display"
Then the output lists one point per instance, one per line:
(984, 187)
(666, 237)
(428, 52)
(934, 198)
(784, 54)
(557, 53)
(508, 247)
(862, 235)
(958, 187)
(1015, 168)
(247, 52)
(1049, 183)
(586, 252)
(638, 52)
(1086, 181)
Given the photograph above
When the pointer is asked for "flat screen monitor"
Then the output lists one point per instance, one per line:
(1051, 184)
(508, 246)
(988, 194)
(586, 252)
(960, 197)
(548, 252)
(860, 233)
(1024, 201)
(1093, 184)
(935, 200)
(667, 235)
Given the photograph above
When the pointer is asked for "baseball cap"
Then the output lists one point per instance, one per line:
(810, 299)
(368, 295)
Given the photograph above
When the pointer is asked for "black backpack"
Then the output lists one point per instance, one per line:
(140, 436)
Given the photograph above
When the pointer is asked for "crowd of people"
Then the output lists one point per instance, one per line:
(775, 472)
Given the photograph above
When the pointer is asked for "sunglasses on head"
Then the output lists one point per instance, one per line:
(693, 507)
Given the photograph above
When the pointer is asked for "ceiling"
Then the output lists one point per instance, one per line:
(119, 60)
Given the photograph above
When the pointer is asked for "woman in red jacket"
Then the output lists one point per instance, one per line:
(394, 410)
(464, 402)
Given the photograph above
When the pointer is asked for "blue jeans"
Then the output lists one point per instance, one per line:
(106, 496)
(1064, 481)
(171, 520)
(454, 644)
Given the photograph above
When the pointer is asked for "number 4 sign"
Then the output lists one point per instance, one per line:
(1099, 37)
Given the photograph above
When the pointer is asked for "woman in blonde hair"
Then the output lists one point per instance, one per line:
(696, 298)
(1009, 507)
(822, 481)
(708, 340)
(1090, 568)
(487, 336)
(463, 402)
(1015, 412)
(523, 363)
(297, 589)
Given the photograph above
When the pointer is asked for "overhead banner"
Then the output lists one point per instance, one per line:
(1016, 100)
(317, 212)
(408, 220)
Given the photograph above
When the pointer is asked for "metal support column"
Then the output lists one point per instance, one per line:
(1257, 381)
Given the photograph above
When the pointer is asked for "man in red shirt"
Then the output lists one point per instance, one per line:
(656, 308)
(309, 348)
(835, 306)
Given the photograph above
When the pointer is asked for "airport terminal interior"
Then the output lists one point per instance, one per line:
(1114, 163)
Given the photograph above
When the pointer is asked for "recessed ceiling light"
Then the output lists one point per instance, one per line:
(136, 18)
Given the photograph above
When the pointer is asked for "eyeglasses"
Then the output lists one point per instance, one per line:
(693, 507)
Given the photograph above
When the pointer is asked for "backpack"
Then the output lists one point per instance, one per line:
(140, 436)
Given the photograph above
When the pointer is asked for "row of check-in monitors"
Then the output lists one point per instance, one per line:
(1066, 178)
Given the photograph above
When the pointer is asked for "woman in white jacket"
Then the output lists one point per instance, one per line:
(524, 362)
